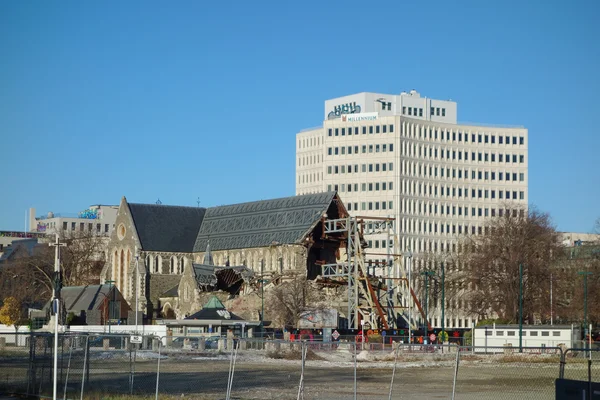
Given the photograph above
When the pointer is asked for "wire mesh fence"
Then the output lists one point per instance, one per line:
(94, 365)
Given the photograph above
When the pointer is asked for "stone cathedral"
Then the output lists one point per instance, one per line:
(178, 253)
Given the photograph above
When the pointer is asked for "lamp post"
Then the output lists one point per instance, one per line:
(56, 306)
(520, 308)
(585, 286)
(443, 303)
(137, 282)
(262, 297)
(426, 274)
(409, 262)
(110, 302)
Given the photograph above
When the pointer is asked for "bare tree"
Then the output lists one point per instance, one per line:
(288, 301)
(492, 261)
(31, 275)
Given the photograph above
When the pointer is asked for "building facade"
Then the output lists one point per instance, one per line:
(406, 156)
(171, 256)
(97, 218)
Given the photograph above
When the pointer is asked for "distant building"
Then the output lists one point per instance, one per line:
(97, 218)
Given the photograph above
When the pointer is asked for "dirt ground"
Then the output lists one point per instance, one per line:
(328, 375)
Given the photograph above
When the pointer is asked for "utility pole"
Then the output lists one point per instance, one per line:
(56, 306)
(409, 261)
(427, 274)
(137, 282)
(585, 286)
(520, 308)
(551, 310)
(443, 303)
(262, 295)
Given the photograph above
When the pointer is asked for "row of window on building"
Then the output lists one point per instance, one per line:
(310, 142)
(412, 207)
(516, 333)
(155, 264)
(418, 111)
(427, 152)
(310, 160)
(310, 177)
(371, 206)
(413, 226)
(410, 189)
(421, 132)
(350, 130)
(349, 169)
(424, 171)
(82, 226)
(372, 148)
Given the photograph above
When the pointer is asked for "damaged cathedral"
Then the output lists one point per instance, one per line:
(176, 257)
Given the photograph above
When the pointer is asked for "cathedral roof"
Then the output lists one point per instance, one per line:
(262, 223)
(166, 228)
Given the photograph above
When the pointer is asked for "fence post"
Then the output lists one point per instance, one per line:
(303, 350)
(68, 367)
(158, 366)
(455, 372)
(394, 370)
(563, 361)
(355, 366)
(231, 370)
(85, 366)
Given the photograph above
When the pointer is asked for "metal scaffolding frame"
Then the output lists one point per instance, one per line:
(354, 271)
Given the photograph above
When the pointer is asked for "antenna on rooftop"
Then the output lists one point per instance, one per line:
(198, 201)
(158, 202)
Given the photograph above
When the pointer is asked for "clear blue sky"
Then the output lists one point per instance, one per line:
(203, 99)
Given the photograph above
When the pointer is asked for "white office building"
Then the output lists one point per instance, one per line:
(407, 157)
(97, 218)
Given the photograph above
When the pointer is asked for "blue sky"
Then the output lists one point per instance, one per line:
(188, 100)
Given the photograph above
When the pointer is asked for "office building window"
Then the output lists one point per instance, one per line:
(443, 112)
(370, 130)
(329, 132)
(521, 140)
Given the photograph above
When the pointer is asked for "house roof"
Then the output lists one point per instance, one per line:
(166, 228)
(26, 244)
(261, 223)
(85, 298)
(215, 310)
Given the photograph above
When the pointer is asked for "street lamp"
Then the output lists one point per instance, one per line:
(520, 308)
(262, 295)
(110, 302)
(409, 262)
(443, 303)
(585, 276)
(137, 282)
(426, 274)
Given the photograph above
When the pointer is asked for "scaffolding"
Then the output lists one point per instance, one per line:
(365, 305)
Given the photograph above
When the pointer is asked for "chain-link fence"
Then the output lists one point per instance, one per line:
(92, 366)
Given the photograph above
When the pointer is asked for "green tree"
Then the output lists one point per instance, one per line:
(11, 313)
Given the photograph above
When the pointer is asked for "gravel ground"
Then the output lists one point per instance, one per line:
(327, 375)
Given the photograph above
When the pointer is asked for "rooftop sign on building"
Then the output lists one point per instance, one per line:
(360, 117)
